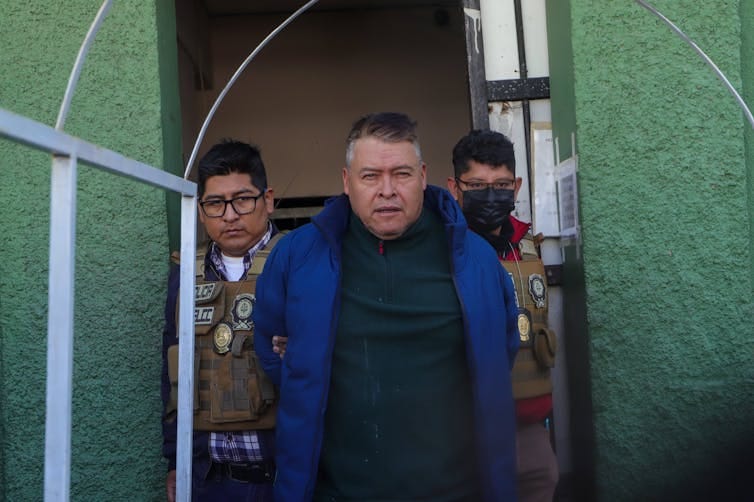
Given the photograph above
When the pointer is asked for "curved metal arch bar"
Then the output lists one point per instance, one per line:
(76, 71)
(233, 79)
(704, 56)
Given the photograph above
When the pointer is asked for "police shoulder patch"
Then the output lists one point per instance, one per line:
(243, 306)
(537, 290)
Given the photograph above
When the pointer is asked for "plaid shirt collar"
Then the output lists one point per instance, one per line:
(215, 255)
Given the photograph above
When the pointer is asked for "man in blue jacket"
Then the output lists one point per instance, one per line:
(401, 332)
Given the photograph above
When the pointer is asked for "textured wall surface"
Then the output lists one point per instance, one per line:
(747, 72)
(667, 247)
(121, 262)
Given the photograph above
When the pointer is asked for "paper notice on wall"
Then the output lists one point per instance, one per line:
(568, 198)
(545, 205)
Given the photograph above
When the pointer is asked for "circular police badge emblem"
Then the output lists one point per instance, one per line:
(222, 338)
(524, 325)
(243, 306)
(537, 290)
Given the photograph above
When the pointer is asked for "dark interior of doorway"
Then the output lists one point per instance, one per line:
(336, 62)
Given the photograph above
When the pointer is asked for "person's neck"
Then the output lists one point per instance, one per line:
(234, 267)
(500, 237)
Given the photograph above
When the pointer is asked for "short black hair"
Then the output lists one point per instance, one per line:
(486, 147)
(231, 156)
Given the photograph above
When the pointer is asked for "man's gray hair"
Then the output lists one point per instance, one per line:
(389, 127)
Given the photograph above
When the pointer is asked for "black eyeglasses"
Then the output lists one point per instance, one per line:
(215, 208)
(495, 185)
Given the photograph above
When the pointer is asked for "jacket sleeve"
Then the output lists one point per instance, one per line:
(169, 338)
(269, 310)
(511, 315)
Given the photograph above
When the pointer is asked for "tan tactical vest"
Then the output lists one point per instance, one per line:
(231, 391)
(536, 354)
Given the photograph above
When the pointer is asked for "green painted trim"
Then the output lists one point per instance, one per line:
(747, 72)
(562, 91)
(582, 484)
(171, 111)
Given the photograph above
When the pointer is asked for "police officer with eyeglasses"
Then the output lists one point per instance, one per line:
(235, 403)
(486, 186)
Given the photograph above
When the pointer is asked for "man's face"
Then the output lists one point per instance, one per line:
(483, 173)
(385, 184)
(234, 233)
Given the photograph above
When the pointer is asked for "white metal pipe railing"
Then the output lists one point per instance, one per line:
(60, 328)
(76, 70)
(67, 151)
(60, 295)
(236, 74)
(43, 137)
(185, 426)
(705, 58)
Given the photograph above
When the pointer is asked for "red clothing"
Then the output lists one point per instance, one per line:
(534, 409)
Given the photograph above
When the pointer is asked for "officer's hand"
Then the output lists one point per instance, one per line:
(170, 486)
(279, 344)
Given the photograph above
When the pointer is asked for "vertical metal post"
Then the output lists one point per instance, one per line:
(480, 118)
(186, 350)
(60, 329)
(523, 74)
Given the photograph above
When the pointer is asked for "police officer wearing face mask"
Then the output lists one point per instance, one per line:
(486, 186)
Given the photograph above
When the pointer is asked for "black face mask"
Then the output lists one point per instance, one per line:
(485, 210)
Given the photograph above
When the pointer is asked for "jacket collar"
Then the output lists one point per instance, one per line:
(520, 229)
(332, 221)
(439, 200)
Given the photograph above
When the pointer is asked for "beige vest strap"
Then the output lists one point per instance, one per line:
(257, 265)
(528, 248)
(531, 370)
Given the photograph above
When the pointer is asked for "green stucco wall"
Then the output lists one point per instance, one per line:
(666, 215)
(747, 72)
(122, 244)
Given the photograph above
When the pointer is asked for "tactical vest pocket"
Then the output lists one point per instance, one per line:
(171, 408)
(232, 390)
(545, 347)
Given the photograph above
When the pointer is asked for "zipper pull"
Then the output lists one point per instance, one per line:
(382, 248)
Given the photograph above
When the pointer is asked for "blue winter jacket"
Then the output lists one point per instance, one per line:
(298, 296)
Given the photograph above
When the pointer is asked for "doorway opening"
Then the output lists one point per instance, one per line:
(336, 62)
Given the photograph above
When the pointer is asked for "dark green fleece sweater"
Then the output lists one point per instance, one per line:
(398, 424)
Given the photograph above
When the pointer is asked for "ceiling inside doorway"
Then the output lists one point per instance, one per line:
(232, 7)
